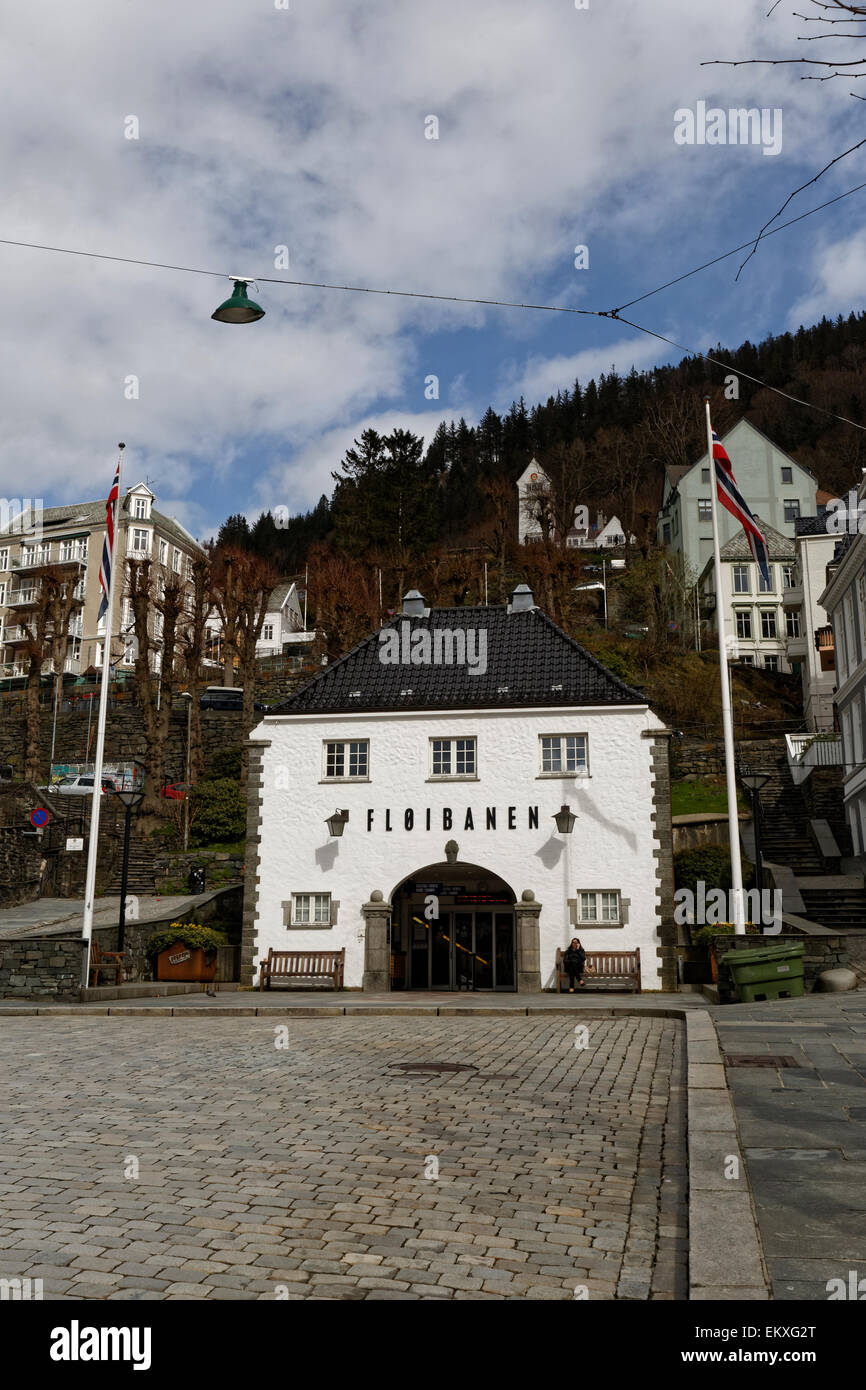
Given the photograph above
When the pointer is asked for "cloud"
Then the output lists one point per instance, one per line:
(260, 128)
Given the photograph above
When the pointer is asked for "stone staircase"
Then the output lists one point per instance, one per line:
(142, 870)
(785, 837)
(836, 901)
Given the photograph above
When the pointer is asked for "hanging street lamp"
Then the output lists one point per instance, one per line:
(565, 819)
(336, 822)
(239, 308)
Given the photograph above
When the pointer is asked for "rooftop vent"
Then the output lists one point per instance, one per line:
(521, 599)
(413, 604)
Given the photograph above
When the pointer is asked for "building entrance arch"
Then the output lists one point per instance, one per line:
(453, 926)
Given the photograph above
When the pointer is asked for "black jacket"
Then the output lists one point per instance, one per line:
(574, 959)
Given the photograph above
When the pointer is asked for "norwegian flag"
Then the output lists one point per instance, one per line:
(108, 543)
(731, 498)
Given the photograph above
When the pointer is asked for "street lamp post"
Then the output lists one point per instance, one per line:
(131, 798)
(753, 782)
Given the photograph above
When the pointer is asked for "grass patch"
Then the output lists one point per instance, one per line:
(706, 795)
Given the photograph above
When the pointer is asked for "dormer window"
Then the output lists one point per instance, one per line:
(141, 508)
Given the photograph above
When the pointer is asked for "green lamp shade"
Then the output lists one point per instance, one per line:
(238, 309)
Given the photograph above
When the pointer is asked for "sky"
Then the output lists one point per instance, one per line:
(257, 127)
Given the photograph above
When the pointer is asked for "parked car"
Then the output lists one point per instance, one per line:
(79, 786)
(226, 697)
(176, 791)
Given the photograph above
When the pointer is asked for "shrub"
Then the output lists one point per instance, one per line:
(226, 762)
(193, 936)
(219, 813)
(710, 864)
(704, 936)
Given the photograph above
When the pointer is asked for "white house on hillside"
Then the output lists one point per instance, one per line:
(809, 632)
(532, 487)
(771, 482)
(283, 631)
(756, 626)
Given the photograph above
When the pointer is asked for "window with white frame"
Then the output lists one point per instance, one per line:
(787, 474)
(563, 754)
(175, 560)
(347, 760)
(744, 624)
(771, 663)
(2, 592)
(741, 579)
(792, 623)
(28, 555)
(163, 552)
(600, 906)
(4, 559)
(140, 544)
(311, 909)
(768, 622)
(141, 508)
(268, 632)
(789, 580)
(747, 660)
(766, 586)
(453, 757)
(705, 510)
(791, 508)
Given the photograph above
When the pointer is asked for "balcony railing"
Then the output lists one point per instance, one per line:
(806, 751)
(22, 598)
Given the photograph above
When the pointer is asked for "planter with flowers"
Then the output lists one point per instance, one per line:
(185, 952)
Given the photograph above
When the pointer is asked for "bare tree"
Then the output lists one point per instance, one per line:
(155, 690)
(828, 14)
(46, 630)
(192, 643)
(241, 586)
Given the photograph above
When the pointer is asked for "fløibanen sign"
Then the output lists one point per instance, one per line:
(449, 819)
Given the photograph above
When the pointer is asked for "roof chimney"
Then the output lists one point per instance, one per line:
(521, 599)
(413, 604)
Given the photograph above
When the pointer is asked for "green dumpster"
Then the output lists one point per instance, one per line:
(768, 972)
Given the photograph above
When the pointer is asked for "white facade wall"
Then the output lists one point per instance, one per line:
(845, 601)
(814, 553)
(611, 846)
(757, 647)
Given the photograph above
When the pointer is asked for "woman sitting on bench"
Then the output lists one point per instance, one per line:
(574, 961)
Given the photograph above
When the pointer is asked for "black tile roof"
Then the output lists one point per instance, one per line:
(530, 661)
(811, 525)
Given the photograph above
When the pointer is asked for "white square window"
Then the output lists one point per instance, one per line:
(602, 906)
(344, 761)
(311, 909)
(452, 757)
(563, 753)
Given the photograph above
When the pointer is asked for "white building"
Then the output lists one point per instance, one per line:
(773, 484)
(844, 599)
(450, 773)
(70, 538)
(283, 631)
(757, 626)
(809, 632)
(533, 488)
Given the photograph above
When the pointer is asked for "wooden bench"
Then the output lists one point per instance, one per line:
(105, 960)
(303, 965)
(608, 968)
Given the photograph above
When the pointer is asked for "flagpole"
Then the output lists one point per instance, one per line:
(93, 843)
(727, 723)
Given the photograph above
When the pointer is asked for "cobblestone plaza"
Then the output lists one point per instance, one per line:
(245, 1158)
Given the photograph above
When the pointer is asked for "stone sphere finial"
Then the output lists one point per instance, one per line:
(527, 896)
(377, 896)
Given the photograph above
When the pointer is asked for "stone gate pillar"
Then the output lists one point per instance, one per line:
(377, 951)
(526, 914)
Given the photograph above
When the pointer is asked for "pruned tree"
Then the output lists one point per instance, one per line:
(46, 629)
(241, 585)
(191, 651)
(148, 594)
